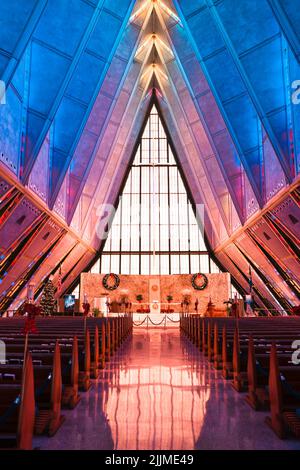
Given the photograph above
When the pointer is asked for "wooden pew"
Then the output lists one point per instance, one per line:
(47, 390)
(113, 336)
(70, 395)
(217, 353)
(17, 411)
(230, 340)
(234, 355)
(226, 364)
(49, 418)
(85, 364)
(204, 344)
(270, 377)
(253, 398)
(199, 333)
(284, 391)
(239, 376)
(43, 366)
(108, 341)
(258, 363)
(95, 359)
(69, 370)
(240, 358)
(103, 346)
(63, 330)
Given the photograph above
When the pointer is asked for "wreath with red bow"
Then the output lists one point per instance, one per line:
(199, 281)
(107, 284)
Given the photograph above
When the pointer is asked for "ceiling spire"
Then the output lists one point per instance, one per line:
(153, 4)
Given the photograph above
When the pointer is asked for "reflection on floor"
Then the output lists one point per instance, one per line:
(159, 392)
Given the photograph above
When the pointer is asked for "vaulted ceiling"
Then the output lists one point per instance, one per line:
(77, 79)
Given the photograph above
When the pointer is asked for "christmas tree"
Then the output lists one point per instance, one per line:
(48, 301)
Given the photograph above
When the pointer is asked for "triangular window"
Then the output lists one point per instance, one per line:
(154, 230)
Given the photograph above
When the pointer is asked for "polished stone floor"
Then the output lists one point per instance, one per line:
(159, 392)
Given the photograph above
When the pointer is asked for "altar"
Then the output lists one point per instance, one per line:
(157, 294)
(102, 303)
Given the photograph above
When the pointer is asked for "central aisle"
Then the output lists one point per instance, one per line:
(159, 392)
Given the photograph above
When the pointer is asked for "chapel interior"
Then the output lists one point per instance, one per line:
(149, 225)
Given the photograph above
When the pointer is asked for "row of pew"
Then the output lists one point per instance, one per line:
(261, 356)
(45, 372)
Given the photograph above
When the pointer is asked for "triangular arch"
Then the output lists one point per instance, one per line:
(154, 229)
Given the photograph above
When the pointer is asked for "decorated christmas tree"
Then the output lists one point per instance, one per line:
(48, 301)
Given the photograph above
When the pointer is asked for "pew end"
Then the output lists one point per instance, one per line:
(20, 424)
(49, 418)
(275, 421)
(258, 396)
(94, 368)
(84, 374)
(240, 378)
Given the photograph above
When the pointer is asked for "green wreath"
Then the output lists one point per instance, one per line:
(108, 286)
(204, 281)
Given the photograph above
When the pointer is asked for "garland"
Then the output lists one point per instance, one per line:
(203, 279)
(116, 281)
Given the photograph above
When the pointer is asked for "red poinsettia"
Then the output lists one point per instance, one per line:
(31, 311)
(86, 308)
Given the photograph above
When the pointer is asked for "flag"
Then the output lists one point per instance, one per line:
(250, 280)
(59, 280)
(249, 309)
(249, 298)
